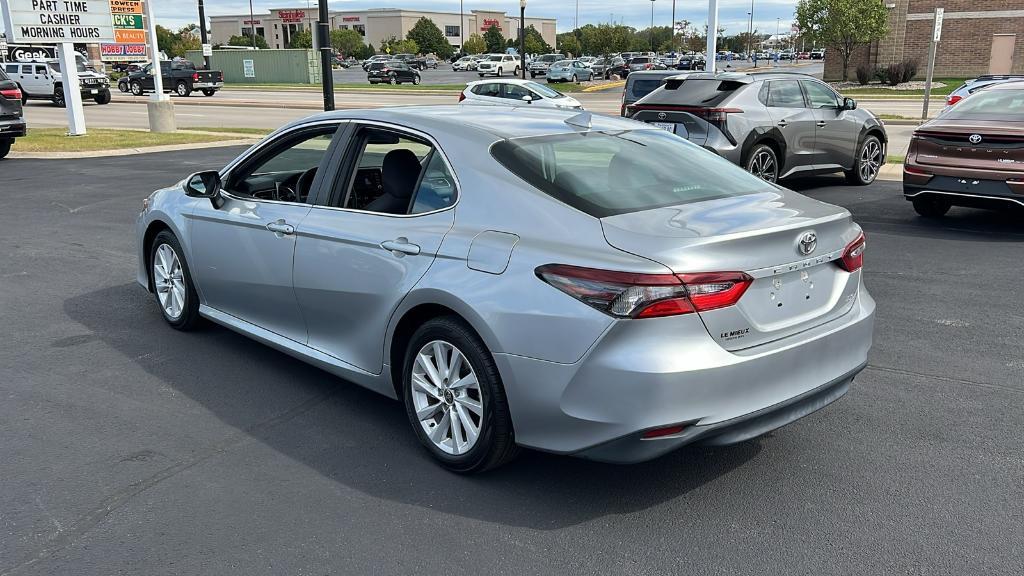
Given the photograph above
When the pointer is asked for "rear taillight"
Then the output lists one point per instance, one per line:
(953, 99)
(853, 257)
(629, 295)
(717, 117)
(11, 93)
(915, 171)
(195, 76)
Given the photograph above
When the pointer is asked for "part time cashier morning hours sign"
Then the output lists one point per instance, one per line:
(57, 21)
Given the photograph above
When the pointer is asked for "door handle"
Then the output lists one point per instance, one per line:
(821, 124)
(783, 123)
(280, 227)
(400, 246)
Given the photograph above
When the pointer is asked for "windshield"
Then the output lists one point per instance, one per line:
(549, 57)
(544, 91)
(1003, 105)
(55, 66)
(465, 59)
(495, 58)
(563, 63)
(609, 173)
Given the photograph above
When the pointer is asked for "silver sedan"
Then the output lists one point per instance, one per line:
(539, 278)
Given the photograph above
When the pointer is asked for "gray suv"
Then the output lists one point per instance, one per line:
(775, 125)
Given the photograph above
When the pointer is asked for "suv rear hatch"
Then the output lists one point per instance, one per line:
(759, 234)
(691, 107)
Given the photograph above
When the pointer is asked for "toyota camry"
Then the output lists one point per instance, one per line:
(577, 284)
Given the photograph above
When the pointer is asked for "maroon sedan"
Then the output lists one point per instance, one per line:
(971, 155)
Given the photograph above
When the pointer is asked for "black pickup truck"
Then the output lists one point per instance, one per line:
(180, 76)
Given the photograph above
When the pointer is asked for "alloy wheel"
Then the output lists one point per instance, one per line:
(446, 397)
(870, 160)
(169, 281)
(763, 166)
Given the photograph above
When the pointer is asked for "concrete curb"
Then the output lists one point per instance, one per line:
(907, 122)
(130, 151)
(601, 87)
(891, 173)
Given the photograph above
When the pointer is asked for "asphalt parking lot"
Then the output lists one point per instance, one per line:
(129, 448)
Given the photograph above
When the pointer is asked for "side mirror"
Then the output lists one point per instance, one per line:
(528, 99)
(203, 185)
(849, 104)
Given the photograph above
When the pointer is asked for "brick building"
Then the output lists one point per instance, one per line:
(978, 37)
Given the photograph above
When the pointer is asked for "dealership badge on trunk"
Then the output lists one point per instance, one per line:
(807, 242)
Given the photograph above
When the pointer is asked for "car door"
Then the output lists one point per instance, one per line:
(795, 122)
(242, 250)
(836, 131)
(514, 93)
(37, 79)
(364, 246)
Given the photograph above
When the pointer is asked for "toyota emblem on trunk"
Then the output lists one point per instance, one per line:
(975, 138)
(662, 115)
(807, 242)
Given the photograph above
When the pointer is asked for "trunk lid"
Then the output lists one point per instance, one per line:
(758, 234)
(948, 143)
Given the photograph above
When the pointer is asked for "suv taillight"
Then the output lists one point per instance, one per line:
(717, 117)
(953, 99)
(195, 76)
(853, 257)
(11, 93)
(630, 295)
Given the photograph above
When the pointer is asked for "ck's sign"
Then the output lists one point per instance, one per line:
(57, 21)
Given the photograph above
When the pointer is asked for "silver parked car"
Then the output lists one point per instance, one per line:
(775, 125)
(569, 71)
(578, 284)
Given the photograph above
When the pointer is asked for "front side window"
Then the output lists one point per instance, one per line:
(820, 96)
(516, 92)
(284, 172)
(608, 173)
(785, 94)
(543, 90)
(397, 174)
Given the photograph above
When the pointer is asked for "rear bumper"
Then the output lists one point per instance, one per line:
(12, 128)
(669, 371)
(202, 85)
(964, 191)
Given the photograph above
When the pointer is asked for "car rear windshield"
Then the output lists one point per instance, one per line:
(997, 105)
(639, 88)
(377, 65)
(643, 60)
(708, 92)
(609, 173)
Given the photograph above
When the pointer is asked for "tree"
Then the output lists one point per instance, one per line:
(568, 44)
(535, 43)
(301, 39)
(246, 41)
(368, 51)
(392, 45)
(346, 42)
(494, 40)
(842, 24)
(605, 39)
(430, 39)
(474, 44)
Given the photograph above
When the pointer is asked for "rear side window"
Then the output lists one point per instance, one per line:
(697, 92)
(785, 94)
(12, 68)
(608, 173)
(492, 90)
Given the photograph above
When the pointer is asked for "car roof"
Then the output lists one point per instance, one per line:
(481, 124)
(1013, 84)
(501, 81)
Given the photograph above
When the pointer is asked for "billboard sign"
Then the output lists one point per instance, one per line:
(123, 52)
(488, 22)
(291, 15)
(30, 53)
(57, 21)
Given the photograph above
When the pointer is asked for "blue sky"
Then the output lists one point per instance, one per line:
(732, 14)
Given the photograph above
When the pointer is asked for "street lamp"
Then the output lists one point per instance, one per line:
(652, 25)
(252, 26)
(522, 38)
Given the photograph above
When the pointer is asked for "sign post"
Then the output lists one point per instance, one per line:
(933, 47)
(160, 107)
(712, 49)
(61, 22)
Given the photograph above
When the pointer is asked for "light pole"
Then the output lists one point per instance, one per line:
(252, 26)
(462, 29)
(522, 39)
(202, 33)
(652, 25)
(324, 43)
(672, 28)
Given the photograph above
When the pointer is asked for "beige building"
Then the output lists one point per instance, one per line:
(375, 25)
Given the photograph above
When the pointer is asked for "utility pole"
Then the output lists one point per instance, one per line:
(522, 38)
(252, 26)
(652, 25)
(202, 33)
(326, 73)
(672, 28)
(750, 28)
(462, 30)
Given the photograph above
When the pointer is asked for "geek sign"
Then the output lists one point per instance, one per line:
(58, 21)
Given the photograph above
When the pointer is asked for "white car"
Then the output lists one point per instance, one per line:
(516, 92)
(466, 63)
(499, 65)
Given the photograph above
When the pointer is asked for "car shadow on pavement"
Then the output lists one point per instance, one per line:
(363, 440)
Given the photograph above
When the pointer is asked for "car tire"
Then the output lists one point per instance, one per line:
(136, 88)
(209, 91)
(122, 85)
(532, 75)
(58, 96)
(24, 95)
(931, 207)
(481, 75)
(5, 147)
(102, 98)
(182, 89)
(575, 79)
(867, 163)
(479, 405)
(416, 80)
(391, 80)
(172, 281)
(763, 162)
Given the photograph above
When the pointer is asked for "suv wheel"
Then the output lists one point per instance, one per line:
(931, 207)
(454, 397)
(136, 87)
(763, 163)
(5, 147)
(58, 96)
(416, 80)
(869, 161)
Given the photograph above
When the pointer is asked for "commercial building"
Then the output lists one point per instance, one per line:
(978, 37)
(280, 24)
